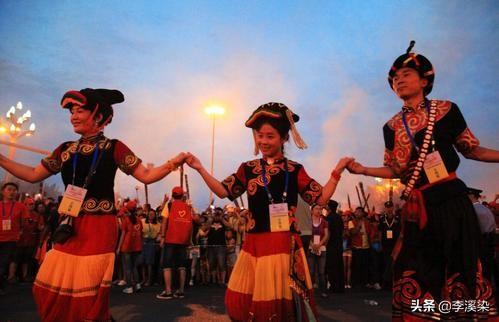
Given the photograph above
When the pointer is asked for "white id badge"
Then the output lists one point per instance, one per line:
(72, 201)
(317, 239)
(6, 224)
(279, 220)
(434, 167)
(389, 234)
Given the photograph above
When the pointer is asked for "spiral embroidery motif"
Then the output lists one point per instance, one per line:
(466, 141)
(129, 162)
(416, 122)
(405, 290)
(234, 188)
(94, 205)
(87, 148)
(66, 154)
(52, 164)
(255, 182)
(255, 165)
(229, 182)
(311, 194)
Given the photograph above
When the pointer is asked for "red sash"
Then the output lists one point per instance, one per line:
(414, 210)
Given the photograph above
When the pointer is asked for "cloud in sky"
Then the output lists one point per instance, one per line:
(328, 61)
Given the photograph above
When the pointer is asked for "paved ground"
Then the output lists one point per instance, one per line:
(202, 303)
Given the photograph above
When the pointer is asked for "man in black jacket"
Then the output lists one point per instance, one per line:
(334, 259)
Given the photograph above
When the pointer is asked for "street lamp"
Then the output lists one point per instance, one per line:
(13, 126)
(213, 111)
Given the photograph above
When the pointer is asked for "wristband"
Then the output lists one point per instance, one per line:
(336, 175)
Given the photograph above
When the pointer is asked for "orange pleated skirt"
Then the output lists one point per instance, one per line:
(74, 280)
(260, 284)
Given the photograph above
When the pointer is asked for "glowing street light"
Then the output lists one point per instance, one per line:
(13, 126)
(213, 111)
(388, 186)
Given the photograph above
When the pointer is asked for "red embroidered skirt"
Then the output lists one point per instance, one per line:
(260, 285)
(74, 280)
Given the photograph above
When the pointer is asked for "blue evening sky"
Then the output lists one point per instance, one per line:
(327, 60)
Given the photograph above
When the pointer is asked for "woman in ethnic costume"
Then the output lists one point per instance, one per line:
(436, 255)
(270, 280)
(73, 283)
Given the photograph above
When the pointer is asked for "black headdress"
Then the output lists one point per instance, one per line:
(92, 99)
(415, 61)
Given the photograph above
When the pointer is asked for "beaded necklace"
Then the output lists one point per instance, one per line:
(423, 152)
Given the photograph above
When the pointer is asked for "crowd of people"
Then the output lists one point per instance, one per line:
(365, 239)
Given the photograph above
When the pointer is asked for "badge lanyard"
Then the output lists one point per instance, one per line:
(390, 226)
(286, 181)
(11, 210)
(93, 167)
(408, 131)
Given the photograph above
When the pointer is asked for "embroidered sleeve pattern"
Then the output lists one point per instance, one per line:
(53, 162)
(309, 189)
(235, 183)
(466, 142)
(388, 158)
(126, 160)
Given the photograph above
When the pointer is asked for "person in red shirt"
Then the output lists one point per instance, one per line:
(176, 236)
(130, 245)
(12, 213)
(26, 246)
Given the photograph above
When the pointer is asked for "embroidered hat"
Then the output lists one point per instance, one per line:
(94, 99)
(415, 61)
(280, 112)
